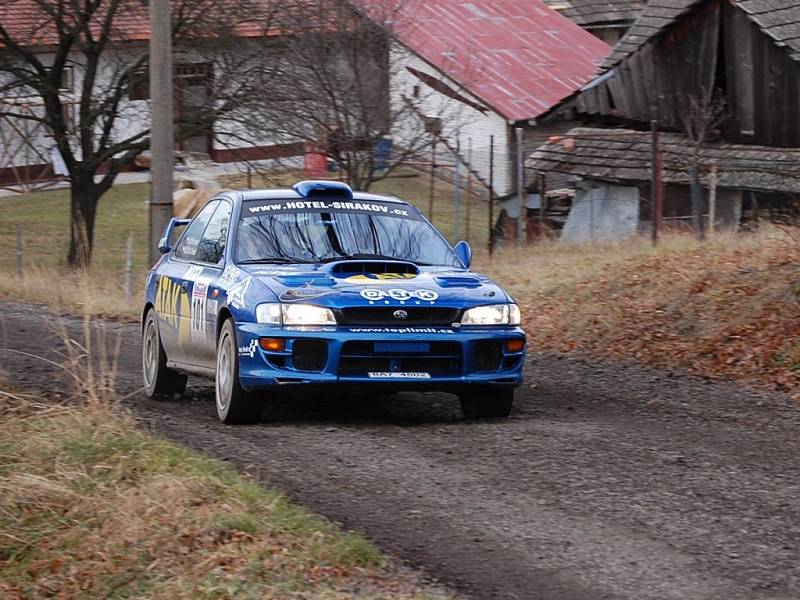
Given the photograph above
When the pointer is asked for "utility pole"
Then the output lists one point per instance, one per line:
(162, 137)
(522, 219)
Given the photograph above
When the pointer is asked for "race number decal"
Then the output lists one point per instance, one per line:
(199, 302)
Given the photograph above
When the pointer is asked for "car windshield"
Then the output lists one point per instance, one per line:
(313, 231)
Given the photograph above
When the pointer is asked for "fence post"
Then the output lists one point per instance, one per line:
(128, 266)
(469, 189)
(433, 181)
(491, 193)
(521, 221)
(20, 272)
(457, 193)
(712, 200)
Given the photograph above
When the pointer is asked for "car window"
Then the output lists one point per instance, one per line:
(212, 244)
(190, 242)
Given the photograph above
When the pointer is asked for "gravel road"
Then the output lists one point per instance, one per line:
(609, 481)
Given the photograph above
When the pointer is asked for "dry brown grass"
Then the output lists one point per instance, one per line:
(726, 307)
(92, 292)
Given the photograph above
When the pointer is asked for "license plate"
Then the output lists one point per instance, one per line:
(398, 375)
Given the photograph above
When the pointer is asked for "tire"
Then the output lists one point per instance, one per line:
(234, 404)
(159, 380)
(487, 403)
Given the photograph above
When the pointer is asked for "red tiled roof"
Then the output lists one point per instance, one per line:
(520, 57)
(29, 25)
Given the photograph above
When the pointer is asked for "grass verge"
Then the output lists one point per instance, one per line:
(728, 307)
(91, 506)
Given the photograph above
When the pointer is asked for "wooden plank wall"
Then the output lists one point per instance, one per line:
(761, 82)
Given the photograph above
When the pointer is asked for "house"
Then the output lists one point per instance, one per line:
(498, 65)
(468, 70)
(719, 80)
(607, 19)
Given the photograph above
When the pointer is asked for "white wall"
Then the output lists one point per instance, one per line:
(460, 121)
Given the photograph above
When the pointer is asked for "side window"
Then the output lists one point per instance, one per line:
(212, 244)
(187, 247)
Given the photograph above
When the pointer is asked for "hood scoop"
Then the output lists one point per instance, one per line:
(458, 281)
(377, 269)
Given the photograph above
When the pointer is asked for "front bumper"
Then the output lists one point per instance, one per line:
(344, 357)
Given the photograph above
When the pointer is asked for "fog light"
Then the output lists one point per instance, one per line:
(515, 345)
(271, 344)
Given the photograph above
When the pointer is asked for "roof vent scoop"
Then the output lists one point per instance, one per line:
(322, 188)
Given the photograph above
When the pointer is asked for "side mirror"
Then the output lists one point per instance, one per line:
(164, 244)
(463, 252)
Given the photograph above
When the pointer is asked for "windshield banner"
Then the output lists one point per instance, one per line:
(257, 208)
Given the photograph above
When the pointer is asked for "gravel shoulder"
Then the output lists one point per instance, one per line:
(609, 481)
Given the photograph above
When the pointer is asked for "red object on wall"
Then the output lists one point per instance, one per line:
(315, 164)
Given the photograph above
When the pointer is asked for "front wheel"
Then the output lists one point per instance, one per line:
(159, 380)
(487, 403)
(234, 404)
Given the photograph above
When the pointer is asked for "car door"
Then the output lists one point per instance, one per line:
(173, 295)
(200, 346)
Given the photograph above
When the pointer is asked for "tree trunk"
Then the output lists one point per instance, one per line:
(84, 196)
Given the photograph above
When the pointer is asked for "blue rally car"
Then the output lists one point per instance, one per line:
(318, 287)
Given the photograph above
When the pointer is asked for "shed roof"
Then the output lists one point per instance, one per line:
(780, 19)
(520, 58)
(624, 155)
(588, 13)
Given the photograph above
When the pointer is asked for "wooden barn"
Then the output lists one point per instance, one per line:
(721, 82)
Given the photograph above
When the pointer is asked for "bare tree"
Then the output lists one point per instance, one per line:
(338, 63)
(702, 116)
(82, 65)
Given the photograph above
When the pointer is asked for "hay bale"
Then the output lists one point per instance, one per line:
(187, 202)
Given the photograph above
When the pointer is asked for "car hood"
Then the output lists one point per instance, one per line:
(364, 283)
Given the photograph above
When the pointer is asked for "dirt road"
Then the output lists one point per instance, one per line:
(607, 482)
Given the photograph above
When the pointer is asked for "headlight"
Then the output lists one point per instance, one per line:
(269, 313)
(307, 314)
(494, 314)
(294, 314)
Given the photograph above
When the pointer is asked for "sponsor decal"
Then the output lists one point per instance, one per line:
(199, 303)
(389, 209)
(400, 330)
(398, 375)
(193, 272)
(400, 295)
(229, 275)
(171, 302)
(379, 277)
(236, 293)
(190, 247)
(400, 314)
(249, 350)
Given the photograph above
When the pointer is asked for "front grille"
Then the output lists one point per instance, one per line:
(384, 315)
(359, 358)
